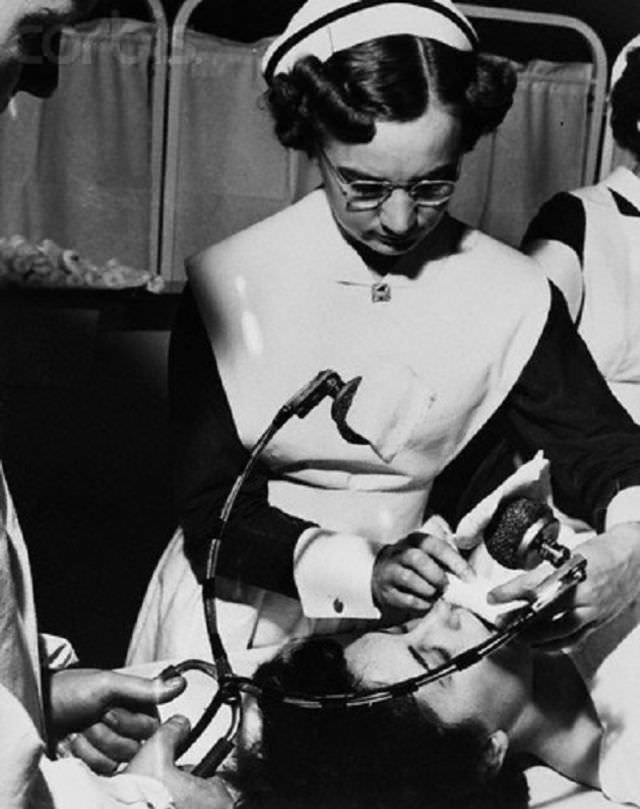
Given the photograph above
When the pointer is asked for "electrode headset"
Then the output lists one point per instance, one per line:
(539, 535)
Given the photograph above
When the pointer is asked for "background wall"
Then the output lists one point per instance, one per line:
(83, 441)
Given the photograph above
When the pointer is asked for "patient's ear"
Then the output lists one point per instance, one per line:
(494, 753)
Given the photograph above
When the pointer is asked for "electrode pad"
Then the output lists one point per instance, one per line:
(473, 596)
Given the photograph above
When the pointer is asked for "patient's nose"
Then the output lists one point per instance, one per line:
(441, 617)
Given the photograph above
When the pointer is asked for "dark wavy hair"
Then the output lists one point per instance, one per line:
(392, 78)
(625, 105)
(392, 755)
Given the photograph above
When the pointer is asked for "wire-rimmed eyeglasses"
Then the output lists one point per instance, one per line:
(365, 195)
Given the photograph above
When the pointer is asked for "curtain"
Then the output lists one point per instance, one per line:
(231, 170)
(538, 150)
(75, 167)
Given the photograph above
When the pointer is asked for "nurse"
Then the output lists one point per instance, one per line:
(587, 241)
(459, 341)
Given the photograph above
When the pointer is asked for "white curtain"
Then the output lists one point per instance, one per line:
(75, 167)
(231, 170)
(538, 150)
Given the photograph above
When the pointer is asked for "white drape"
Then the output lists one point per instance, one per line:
(75, 167)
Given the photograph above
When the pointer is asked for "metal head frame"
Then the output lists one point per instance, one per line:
(231, 687)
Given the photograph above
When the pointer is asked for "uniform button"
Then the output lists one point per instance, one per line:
(338, 606)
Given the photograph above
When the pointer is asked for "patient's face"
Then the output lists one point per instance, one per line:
(20, 20)
(492, 692)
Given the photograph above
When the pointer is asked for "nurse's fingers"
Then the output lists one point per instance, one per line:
(134, 724)
(562, 630)
(97, 761)
(447, 556)
(408, 603)
(110, 744)
(523, 587)
(418, 574)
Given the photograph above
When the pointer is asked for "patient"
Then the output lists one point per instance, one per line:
(463, 741)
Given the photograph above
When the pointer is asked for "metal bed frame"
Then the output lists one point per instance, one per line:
(158, 117)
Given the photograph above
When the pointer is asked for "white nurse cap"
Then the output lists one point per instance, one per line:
(322, 27)
(621, 59)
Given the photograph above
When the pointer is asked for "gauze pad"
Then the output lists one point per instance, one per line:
(473, 596)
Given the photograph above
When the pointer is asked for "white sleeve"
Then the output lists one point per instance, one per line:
(332, 572)
(72, 785)
(30, 780)
(561, 265)
(624, 507)
(55, 653)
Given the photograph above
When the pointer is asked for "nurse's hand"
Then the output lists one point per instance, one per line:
(409, 575)
(156, 760)
(108, 714)
(613, 581)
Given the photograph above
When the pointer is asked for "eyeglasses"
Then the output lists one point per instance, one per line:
(365, 195)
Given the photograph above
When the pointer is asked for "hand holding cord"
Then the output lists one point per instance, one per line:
(231, 687)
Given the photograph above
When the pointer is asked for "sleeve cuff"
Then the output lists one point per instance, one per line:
(332, 572)
(624, 507)
(56, 653)
(72, 785)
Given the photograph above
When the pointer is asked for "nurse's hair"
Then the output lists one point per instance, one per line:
(392, 78)
(625, 105)
(390, 755)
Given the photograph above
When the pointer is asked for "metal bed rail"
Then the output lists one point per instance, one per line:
(177, 61)
(599, 60)
(158, 117)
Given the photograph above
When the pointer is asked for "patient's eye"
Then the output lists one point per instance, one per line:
(420, 660)
(430, 659)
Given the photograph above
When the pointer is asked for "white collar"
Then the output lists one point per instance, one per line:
(626, 183)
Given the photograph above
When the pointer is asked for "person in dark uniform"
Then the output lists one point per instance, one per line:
(587, 241)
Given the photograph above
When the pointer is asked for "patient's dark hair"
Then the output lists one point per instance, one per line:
(388, 79)
(625, 105)
(391, 755)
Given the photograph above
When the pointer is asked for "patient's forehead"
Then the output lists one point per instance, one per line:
(378, 658)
